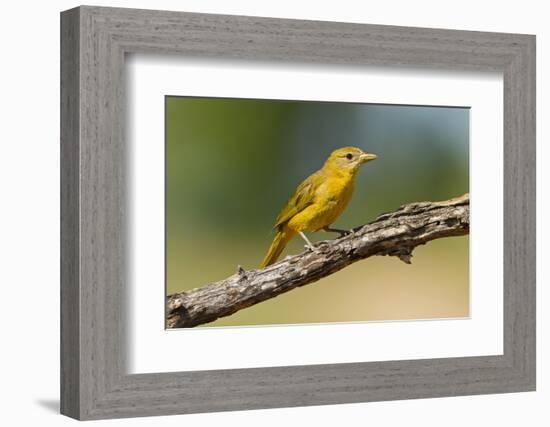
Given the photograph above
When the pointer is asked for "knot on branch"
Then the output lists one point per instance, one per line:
(403, 253)
(241, 272)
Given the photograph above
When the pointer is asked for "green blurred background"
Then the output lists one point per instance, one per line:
(231, 165)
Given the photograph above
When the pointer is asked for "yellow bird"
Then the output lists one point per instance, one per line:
(318, 200)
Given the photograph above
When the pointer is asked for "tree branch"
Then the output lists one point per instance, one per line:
(395, 234)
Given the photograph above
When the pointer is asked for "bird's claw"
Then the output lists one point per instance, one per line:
(341, 233)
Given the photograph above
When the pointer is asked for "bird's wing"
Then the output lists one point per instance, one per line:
(302, 198)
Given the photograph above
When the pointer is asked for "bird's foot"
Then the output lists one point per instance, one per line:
(342, 233)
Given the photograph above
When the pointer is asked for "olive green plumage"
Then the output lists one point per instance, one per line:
(319, 199)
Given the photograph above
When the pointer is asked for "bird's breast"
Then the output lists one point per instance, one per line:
(336, 191)
(331, 198)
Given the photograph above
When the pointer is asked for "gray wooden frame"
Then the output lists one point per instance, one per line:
(94, 382)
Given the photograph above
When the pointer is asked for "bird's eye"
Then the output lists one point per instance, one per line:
(349, 156)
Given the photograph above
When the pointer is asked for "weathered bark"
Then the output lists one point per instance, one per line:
(396, 234)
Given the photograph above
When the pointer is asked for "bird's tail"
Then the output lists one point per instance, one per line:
(280, 240)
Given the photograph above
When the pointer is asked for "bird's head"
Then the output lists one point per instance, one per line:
(349, 158)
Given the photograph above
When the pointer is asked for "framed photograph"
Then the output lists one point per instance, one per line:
(261, 213)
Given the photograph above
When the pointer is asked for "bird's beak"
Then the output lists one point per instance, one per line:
(367, 157)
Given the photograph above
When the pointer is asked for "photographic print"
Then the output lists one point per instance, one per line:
(169, 194)
(252, 182)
